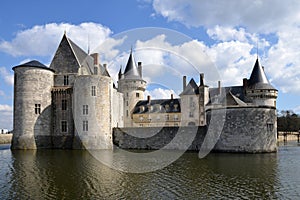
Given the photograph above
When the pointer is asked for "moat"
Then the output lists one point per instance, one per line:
(75, 174)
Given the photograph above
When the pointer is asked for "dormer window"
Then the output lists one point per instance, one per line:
(167, 107)
(175, 107)
(142, 108)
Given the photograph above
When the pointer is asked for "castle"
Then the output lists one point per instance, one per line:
(75, 104)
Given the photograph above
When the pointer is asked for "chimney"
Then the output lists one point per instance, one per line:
(245, 82)
(148, 98)
(202, 79)
(105, 65)
(96, 58)
(140, 69)
(171, 96)
(263, 67)
(219, 87)
(184, 82)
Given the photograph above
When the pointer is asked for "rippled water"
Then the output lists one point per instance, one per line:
(71, 174)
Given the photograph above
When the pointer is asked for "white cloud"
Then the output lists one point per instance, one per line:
(6, 76)
(159, 93)
(258, 15)
(5, 108)
(42, 40)
(6, 113)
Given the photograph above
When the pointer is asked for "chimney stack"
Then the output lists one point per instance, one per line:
(105, 65)
(171, 96)
(140, 69)
(148, 98)
(245, 82)
(96, 58)
(219, 87)
(184, 82)
(202, 79)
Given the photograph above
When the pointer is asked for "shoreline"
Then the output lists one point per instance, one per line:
(5, 138)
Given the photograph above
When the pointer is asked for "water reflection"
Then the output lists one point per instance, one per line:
(63, 174)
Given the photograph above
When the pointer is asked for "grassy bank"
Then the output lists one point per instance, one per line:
(5, 138)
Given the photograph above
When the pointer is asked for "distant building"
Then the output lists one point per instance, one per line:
(75, 104)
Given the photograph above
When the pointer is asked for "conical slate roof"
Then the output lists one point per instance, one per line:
(258, 79)
(191, 88)
(131, 70)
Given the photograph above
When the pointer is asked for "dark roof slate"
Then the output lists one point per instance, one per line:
(34, 63)
(258, 79)
(131, 70)
(158, 106)
(191, 88)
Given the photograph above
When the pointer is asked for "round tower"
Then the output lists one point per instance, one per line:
(32, 124)
(132, 85)
(258, 88)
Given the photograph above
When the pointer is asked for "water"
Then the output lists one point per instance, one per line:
(72, 174)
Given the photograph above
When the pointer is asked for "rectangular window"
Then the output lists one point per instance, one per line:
(37, 108)
(126, 113)
(64, 126)
(176, 117)
(191, 114)
(95, 70)
(93, 90)
(137, 95)
(126, 103)
(270, 127)
(167, 117)
(85, 126)
(66, 80)
(64, 104)
(85, 109)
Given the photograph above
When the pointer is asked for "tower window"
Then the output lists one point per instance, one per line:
(85, 126)
(37, 108)
(64, 126)
(270, 127)
(126, 113)
(191, 114)
(85, 109)
(66, 80)
(95, 70)
(64, 104)
(137, 95)
(93, 90)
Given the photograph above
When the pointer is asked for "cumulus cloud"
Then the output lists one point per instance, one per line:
(6, 116)
(160, 93)
(42, 40)
(258, 16)
(6, 76)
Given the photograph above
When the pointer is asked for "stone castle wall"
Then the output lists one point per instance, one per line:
(248, 129)
(245, 130)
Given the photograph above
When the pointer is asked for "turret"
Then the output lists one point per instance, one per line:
(258, 88)
(132, 85)
(32, 106)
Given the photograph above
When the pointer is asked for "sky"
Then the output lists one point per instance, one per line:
(171, 37)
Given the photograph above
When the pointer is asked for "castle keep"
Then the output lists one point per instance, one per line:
(75, 104)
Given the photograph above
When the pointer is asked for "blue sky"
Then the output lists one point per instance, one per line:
(227, 31)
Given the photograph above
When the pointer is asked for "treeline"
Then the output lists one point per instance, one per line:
(288, 121)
